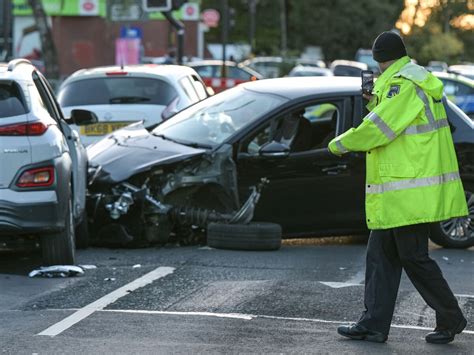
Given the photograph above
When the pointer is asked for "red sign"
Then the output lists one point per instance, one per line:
(211, 17)
(88, 6)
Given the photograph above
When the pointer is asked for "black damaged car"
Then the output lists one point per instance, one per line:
(256, 152)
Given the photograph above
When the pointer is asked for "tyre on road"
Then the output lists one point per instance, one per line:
(82, 234)
(59, 248)
(252, 236)
(456, 232)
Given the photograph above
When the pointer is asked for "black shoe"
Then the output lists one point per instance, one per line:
(358, 332)
(445, 336)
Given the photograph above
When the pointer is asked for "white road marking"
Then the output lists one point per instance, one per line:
(356, 280)
(205, 314)
(464, 296)
(103, 302)
(254, 316)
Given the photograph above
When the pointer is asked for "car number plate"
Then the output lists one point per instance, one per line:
(100, 129)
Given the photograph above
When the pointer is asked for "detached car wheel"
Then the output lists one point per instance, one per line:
(252, 236)
(456, 232)
(59, 248)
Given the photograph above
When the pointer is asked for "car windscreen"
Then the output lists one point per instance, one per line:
(347, 70)
(212, 121)
(11, 100)
(115, 90)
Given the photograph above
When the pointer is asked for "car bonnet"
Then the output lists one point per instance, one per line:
(133, 150)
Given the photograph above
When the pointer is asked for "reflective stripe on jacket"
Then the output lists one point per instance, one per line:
(412, 172)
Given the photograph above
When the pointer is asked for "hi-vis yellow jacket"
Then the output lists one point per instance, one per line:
(412, 170)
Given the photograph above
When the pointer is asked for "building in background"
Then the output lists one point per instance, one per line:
(90, 33)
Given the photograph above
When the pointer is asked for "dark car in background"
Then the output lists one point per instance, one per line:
(342, 67)
(206, 164)
(211, 73)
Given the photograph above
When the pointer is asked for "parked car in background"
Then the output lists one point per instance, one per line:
(466, 70)
(437, 66)
(365, 56)
(347, 68)
(271, 67)
(460, 90)
(43, 166)
(120, 96)
(318, 63)
(211, 73)
(303, 70)
(205, 165)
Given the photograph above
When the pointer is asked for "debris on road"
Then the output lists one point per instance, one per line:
(57, 271)
(88, 267)
(136, 266)
(445, 258)
(109, 279)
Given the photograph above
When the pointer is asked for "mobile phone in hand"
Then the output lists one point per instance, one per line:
(367, 81)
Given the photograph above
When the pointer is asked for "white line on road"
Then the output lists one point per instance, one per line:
(464, 296)
(205, 314)
(253, 316)
(356, 280)
(103, 302)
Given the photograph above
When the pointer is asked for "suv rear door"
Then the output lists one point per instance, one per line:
(15, 148)
(77, 151)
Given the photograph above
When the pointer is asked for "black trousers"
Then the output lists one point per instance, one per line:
(389, 251)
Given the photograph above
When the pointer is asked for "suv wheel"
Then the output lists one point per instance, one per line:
(456, 232)
(58, 248)
(82, 234)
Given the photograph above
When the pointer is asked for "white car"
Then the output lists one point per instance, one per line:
(43, 166)
(120, 96)
(303, 70)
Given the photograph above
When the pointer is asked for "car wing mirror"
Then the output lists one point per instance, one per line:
(274, 149)
(82, 117)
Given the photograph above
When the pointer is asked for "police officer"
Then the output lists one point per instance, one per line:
(412, 180)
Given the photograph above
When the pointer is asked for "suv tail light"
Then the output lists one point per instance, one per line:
(37, 177)
(24, 129)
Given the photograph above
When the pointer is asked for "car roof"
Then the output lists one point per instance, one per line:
(349, 63)
(19, 69)
(456, 77)
(296, 87)
(211, 62)
(302, 67)
(170, 71)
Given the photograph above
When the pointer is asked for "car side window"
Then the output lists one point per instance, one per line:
(45, 99)
(237, 73)
(450, 88)
(199, 87)
(188, 88)
(204, 71)
(305, 128)
(309, 127)
(253, 145)
(463, 89)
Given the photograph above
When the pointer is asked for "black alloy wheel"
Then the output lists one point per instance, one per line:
(456, 232)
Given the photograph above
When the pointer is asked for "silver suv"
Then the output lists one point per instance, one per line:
(43, 165)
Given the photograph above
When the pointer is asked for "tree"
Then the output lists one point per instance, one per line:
(340, 27)
(47, 44)
(437, 38)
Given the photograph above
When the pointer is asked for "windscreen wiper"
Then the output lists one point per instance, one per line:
(128, 99)
(186, 143)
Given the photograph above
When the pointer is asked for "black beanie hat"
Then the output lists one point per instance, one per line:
(388, 46)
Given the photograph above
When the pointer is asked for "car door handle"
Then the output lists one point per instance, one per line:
(332, 170)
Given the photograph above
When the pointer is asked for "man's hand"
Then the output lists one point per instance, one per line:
(368, 97)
